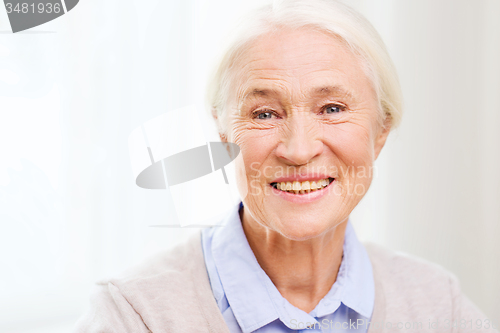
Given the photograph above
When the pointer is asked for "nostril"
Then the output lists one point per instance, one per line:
(299, 152)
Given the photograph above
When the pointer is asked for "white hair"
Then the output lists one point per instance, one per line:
(329, 16)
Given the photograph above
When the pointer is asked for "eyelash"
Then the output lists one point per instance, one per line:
(341, 107)
(257, 113)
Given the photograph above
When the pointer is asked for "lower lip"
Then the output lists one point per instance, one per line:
(302, 198)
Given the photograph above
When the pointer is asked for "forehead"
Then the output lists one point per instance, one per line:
(306, 61)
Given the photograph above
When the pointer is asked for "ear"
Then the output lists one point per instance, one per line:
(223, 138)
(382, 135)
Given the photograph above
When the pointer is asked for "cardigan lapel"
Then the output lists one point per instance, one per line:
(178, 296)
(379, 316)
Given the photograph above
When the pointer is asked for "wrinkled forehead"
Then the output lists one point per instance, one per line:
(297, 63)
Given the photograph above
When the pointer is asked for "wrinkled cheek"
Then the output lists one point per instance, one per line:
(356, 183)
(241, 176)
(253, 153)
(353, 148)
(360, 177)
(248, 174)
(356, 170)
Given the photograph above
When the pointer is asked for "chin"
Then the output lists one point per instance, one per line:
(303, 229)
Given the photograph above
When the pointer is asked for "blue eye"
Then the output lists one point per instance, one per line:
(333, 109)
(265, 115)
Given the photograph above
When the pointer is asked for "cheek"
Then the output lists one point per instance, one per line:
(352, 144)
(255, 148)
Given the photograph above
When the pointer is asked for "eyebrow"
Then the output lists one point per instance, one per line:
(319, 91)
(332, 90)
(260, 92)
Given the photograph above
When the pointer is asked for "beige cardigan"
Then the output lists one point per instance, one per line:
(171, 293)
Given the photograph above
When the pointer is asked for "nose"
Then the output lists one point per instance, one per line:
(301, 140)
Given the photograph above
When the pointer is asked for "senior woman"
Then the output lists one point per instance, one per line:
(309, 94)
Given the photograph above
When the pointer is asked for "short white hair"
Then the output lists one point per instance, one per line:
(329, 16)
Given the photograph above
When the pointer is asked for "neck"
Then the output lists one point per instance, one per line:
(302, 271)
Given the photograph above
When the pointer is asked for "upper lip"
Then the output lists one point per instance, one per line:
(301, 178)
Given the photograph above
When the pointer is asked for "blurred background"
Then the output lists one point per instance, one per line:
(72, 90)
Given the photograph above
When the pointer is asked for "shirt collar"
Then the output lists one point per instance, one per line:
(256, 302)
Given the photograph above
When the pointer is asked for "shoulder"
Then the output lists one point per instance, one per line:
(407, 269)
(164, 290)
(180, 259)
(412, 289)
(408, 279)
(155, 286)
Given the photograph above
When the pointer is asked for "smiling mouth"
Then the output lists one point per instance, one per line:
(297, 187)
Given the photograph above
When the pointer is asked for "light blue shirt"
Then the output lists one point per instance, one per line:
(249, 301)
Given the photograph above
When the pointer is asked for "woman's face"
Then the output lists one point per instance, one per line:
(303, 111)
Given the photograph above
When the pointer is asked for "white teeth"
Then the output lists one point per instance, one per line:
(302, 187)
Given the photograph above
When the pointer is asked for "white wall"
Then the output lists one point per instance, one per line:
(70, 211)
(438, 194)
